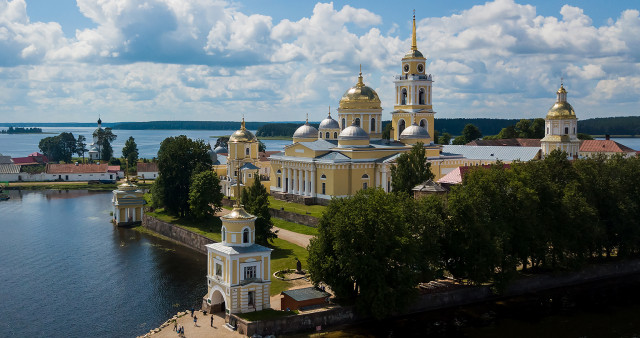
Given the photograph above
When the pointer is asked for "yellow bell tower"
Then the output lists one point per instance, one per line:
(413, 93)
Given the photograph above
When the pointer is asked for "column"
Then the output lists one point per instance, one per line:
(290, 184)
(377, 178)
(384, 180)
(294, 182)
(313, 182)
(306, 185)
(300, 182)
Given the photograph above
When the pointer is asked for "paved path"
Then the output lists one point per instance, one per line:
(204, 328)
(289, 236)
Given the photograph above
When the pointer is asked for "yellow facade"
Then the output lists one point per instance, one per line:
(128, 204)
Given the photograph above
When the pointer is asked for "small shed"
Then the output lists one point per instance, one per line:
(428, 188)
(299, 298)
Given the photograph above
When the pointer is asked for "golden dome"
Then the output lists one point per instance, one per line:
(238, 213)
(561, 109)
(242, 135)
(360, 97)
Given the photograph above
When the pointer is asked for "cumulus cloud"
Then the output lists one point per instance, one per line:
(200, 58)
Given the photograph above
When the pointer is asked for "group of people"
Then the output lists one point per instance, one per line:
(180, 329)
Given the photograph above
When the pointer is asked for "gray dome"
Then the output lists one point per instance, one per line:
(353, 132)
(306, 131)
(414, 131)
(221, 150)
(329, 123)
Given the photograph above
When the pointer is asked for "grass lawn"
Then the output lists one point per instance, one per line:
(311, 210)
(283, 257)
(295, 227)
(209, 227)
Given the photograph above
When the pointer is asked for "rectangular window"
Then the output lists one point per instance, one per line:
(279, 182)
(249, 272)
(323, 189)
(252, 298)
(219, 270)
(364, 185)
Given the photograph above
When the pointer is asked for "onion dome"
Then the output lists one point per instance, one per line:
(360, 97)
(329, 123)
(306, 131)
(221, 150)
(414, 131)
(561, 109)
(242, 135)
(99, 120)
(238, 213)
(353, 132)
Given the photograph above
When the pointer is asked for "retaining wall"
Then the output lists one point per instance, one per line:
(183, 236)
(283, 214)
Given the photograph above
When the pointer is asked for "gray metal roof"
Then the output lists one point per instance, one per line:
(414, 131)
(5, 159)
(333, 156)
(353, 132)
(320, 144)
(249, 166)
(9, 169)
(493, 152)
(300, 295)
(306, 131)
(238, 249)
(329, 123)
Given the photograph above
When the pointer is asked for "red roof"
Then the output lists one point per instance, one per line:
(147, 167)
(264, 156)
(53, 168)
(457, 175)
(604, 146)
(33, 158)
(113, 168)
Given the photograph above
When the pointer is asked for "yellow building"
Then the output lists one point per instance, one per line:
(128, 204)
(239, 270)
(242, 161)
(347, 155)
(561, 127)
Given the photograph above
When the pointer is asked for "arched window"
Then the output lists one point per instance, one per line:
(365, 177)
(224, 234)
(343, 123)
(327, 135)
(423, 123)
(403, 96)
(278, 172)
(357, 121)
(247, 151)
(335, 134)
(401, 126)
(421, 96)
(574, 130)
(323, 177)
(320, 134)
(373, 124)
(245, 236)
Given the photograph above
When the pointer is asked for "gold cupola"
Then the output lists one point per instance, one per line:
(561, 109)
(242, 135)
(414, 53)
(360, 97)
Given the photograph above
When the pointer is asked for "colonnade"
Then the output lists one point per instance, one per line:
(299, 181)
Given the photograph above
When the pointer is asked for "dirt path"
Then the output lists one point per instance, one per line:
(289, 236)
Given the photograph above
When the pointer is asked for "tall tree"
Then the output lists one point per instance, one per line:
(205, 196)
(445, 138)
(412, 169)
(130, 151)
(222, 141)
(60, 147)
(471, 133)
(256, 202)
(102, 136)
(366, 251)
(261, 146)
(179, 158)
(106, 152)
(81, 146)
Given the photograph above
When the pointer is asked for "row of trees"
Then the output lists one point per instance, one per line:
(525, 128)
(21, 130)
(62, 147)
(373, 248)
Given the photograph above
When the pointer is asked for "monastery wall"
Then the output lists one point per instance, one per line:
(183, 236)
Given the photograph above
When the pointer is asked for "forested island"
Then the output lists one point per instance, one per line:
(21, 130)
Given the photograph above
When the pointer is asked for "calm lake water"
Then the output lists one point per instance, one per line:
(148, 141)
(66, 271)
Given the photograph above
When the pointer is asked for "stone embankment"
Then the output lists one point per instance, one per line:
(283, 214)
(183, 236)
(169, 322)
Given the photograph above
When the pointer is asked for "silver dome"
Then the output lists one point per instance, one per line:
(213, 155)
(414, 131)
(353, 132)
(306, 131)
(329, 123)
(221, 150)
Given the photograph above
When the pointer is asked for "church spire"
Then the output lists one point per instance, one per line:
(414, 44)
(360, 82)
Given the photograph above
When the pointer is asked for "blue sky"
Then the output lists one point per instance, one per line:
(132, 60)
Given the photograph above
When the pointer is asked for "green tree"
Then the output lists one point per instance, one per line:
(130, 151)
(471, 133)
(536, 130)
(583, 136)
(459, 140)
(106, 152)
(366, 252)
(205, 196)
(103, 136)
(256, 202)
(59, 148)
(179, 158)
(81, 146)
(387, 132)
(261, 146)
(412, 169)
(222, 141)
(445, 138)
(508, 132)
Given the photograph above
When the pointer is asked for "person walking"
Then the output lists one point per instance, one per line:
(175, 325)
(195, 320)
(212, 320)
